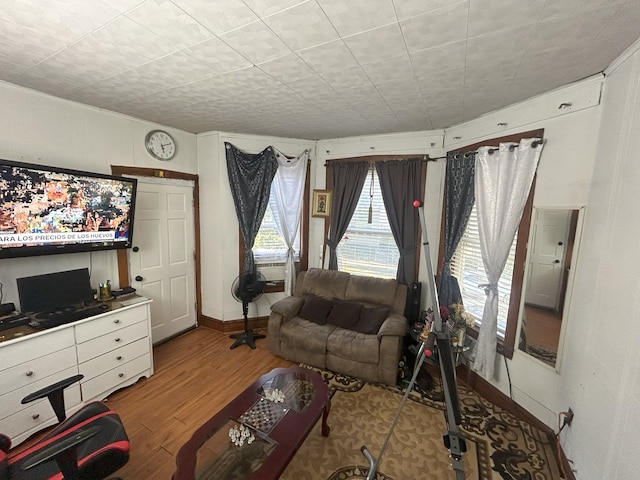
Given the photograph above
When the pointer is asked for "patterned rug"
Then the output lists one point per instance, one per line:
(543, 354)
(498, 445)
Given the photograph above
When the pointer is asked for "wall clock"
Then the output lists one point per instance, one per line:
(160, 145)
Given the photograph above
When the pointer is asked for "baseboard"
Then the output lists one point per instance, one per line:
(231, 326)
(495, 396)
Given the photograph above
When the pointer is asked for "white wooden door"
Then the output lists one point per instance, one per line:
(162, 262)
(547, 258)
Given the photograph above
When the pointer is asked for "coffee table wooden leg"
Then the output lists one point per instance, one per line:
(325, 413)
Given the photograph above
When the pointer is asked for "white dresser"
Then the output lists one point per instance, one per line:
(112, 350)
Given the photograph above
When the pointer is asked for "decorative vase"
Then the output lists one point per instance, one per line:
(460, 337)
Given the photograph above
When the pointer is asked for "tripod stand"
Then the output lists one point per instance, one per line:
(436, 343)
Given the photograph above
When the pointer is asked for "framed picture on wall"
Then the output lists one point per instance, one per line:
(321, 205)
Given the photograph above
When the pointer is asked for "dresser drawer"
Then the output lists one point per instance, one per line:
(109, 323)
(111, 341)
(114, 358)
(99, 387)
(36, 369)
(11, 402)
(38, 345)
(37, 415)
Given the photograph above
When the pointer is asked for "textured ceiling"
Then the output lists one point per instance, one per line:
(308, 69)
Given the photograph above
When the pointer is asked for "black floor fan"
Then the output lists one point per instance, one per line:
(247, 288)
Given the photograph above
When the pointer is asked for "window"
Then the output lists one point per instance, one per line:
(269, 249)
(369, 248)
(467, 267)
(269, 246)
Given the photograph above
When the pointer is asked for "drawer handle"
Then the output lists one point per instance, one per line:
(121, 375)
(119, 357)
(29, 373)
(117, 320)
(118, 339)
(35, 416)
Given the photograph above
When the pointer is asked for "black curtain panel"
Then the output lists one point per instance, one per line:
(459, 200)
(250, 177)
(347, 179)
(400, 185)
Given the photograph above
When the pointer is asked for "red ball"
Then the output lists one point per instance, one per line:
(417, 203)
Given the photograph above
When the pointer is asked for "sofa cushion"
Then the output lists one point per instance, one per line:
(306, 335)
(371, 319)
(354, 346)
(370, 290)
(344, 314)
(325, 283)
(315, 309)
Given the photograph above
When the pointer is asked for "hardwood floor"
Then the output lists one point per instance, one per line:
(196, 374)
(543, 327)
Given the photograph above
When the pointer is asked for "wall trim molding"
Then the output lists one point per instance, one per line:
(231, 326)
(622, 58)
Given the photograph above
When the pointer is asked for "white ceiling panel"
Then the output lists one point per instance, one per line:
(302, 26)
(309, 68)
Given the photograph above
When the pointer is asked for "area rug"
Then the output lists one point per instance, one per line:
(543, 354)
(498, 445)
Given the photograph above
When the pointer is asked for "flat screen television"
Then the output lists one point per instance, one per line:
(46, 210)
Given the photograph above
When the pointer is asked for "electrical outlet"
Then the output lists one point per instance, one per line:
(568, 417)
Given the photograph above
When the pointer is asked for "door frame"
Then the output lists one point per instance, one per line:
(123, 258)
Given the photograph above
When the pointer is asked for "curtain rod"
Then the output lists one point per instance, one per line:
(491, 151)
(424, 158)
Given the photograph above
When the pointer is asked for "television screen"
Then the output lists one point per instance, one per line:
(46, 210)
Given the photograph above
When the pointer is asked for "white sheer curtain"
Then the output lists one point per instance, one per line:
(503, 179)
(286, 204)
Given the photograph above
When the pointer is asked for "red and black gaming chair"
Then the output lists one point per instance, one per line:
(90, 444)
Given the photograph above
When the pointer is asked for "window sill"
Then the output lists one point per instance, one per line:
(274, 286)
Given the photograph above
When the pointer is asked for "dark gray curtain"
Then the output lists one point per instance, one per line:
(250, 177)
(400, 185)
(347, 179)
(459, 200)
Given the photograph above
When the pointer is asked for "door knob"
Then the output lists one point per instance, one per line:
(556, 261)
(559, 243)
(135, 249)
(139, 278)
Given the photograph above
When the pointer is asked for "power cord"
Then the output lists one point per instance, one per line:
(568, 416)
(506, 365)
(1, 292)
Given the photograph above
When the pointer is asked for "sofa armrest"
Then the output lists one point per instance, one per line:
(395, 325)
(288, 307)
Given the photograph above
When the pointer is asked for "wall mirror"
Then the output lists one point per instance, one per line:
(552, 252)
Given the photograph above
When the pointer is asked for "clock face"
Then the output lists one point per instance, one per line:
(160, 145)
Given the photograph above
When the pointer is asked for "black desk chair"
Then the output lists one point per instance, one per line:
(90, 444)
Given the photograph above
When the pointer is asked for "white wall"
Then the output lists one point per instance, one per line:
(600, 369)
(39, 128)
(219, 231)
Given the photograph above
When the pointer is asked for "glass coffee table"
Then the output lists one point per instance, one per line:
(255, 435)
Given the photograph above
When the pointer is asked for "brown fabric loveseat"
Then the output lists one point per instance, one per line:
(345, 323)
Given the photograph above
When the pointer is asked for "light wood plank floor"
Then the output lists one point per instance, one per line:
(543, 327)
(196, 374)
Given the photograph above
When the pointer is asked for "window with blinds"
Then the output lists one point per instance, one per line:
(369, 248)
(467, 267)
